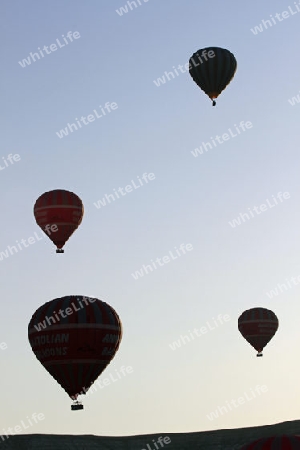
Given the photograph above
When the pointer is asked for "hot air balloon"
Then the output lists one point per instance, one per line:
(212, 69)
(283, 442)
(258, 326)
(58, 213)
(75, 338)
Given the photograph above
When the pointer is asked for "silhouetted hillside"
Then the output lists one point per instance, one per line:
(208, 440)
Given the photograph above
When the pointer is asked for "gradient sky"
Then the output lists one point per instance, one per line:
(191, 200)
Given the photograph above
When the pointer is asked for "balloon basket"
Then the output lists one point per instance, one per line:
(59, 250)
(76, 406)
(259, 354)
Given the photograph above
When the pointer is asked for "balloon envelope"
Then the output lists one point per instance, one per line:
(75, 338)
(58, 213)
(212, 69)
(258, 326)
(283, 442)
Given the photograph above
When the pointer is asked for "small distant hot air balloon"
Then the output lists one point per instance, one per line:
(283, 442)
(75, 338)
(212, 69)
(58, 213)
(258, 326)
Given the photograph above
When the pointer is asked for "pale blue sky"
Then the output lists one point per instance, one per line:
(191, 200)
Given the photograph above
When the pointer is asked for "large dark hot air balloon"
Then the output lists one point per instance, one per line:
(258, 326)
(283, 442)
(75, 338)
(58, 213)
(212, 69)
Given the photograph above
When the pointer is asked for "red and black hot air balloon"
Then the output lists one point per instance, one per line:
(212, 69)
(75, 338)
(58, 213)
(258, 326)
(283, 442)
